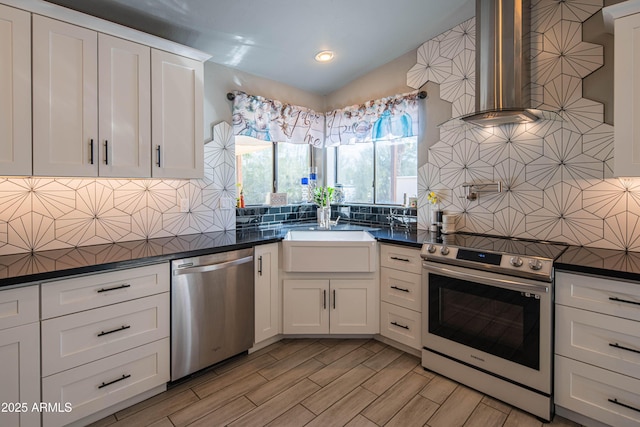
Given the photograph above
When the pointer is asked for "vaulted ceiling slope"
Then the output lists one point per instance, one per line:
(278, 39)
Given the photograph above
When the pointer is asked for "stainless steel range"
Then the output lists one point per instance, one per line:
(488, 316)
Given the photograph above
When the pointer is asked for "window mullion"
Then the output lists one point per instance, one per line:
(274, 183)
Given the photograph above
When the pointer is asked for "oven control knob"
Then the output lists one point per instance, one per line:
(431, 249)
(516, 261)
(535, 264)
(444, 250)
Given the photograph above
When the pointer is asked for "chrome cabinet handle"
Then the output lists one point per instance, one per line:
(395, 258)
(616, 299)
(103, 333)
(394, 323)
(624, 405)
(123, 377)
(399, 289)
(616, 345)
(126, 285)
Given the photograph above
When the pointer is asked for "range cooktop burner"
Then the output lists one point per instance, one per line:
(516, 257)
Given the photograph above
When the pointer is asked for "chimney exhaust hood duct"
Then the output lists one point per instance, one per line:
(502, 63)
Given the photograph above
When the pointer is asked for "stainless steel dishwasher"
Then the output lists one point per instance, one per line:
(212, 309)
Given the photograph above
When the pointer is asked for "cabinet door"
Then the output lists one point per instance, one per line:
(306, 306)
(267, 292)
(20, 374)
(65, 103)
(176, 112)
(124, 94)
(15, 91)
(354, 307)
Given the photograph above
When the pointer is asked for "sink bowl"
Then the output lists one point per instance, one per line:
(329, 251)
(329, 236)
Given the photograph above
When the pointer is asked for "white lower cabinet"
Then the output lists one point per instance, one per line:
(400, 324)
(401, 295)
(19, 357)
(20, 375)
(336, 306)
(267, 292)
(90, 388)
(105, 340)
(597, 348)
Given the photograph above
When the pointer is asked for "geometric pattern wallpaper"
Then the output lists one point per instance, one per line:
(556, 174)
(52, 213)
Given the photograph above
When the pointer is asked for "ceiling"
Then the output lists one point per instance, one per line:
(278, 39)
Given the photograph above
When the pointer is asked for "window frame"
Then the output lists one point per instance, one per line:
(375, 163)
(275, 165)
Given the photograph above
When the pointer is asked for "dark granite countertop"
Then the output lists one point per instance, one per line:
(602, 262)
(26, 268)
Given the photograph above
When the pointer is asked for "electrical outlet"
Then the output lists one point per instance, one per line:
(184, 205)
(227, 203)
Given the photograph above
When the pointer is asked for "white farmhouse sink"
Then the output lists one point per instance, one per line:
(329, 251)
(329, 236)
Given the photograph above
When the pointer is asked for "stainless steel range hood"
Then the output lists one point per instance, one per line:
(502, 63)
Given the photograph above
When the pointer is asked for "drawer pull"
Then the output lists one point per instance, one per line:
(126, 285)
(399, 325)
(624, 405)
(123, 377)
(623, 300)
(616, 345)
(114, 330)
(395, 258)
(400, 289)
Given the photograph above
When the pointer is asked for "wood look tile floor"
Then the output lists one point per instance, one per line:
(323, 382)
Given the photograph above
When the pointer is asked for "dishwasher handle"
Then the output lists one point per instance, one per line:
(213, 267)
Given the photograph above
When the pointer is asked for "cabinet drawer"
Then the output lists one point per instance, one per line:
(19, 306)
(586, 390)
(605, 341)
(95, 386)
(75, 339)
(86, 292)
(599, 294)
(401, 258)
(400, 324)
(401, 288)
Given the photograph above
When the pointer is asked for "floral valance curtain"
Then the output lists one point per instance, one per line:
(386, 118)
(273, 121)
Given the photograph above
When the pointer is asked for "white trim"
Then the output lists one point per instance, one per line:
(83, 20)
(619, 10)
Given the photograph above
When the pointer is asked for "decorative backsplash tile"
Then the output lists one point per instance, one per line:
(556, 174)
(52, 213)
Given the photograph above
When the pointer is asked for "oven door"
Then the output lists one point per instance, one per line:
(497, 323)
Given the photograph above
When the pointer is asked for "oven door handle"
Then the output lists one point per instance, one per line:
(504, 283)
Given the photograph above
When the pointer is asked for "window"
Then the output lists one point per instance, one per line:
(255, 169)
(379, 172)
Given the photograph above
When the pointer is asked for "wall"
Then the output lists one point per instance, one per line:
(556, 173)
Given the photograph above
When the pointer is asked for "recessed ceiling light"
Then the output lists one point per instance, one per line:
(324, 56)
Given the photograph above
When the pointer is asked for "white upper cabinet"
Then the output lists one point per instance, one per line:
(124, 99)
(96, 88)
(177, 109)
(15, 91)
(65, 107)
(625, 17)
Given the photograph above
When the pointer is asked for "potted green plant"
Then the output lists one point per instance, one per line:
(322, 197)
